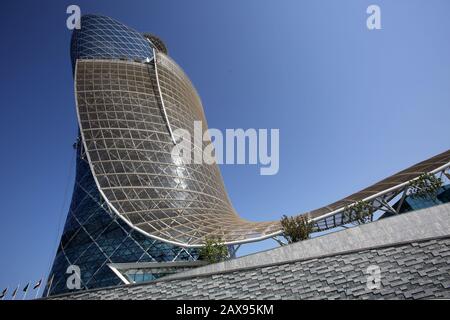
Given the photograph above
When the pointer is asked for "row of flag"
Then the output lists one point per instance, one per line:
(24, 289)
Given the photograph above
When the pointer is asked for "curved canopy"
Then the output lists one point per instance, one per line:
(129, 150)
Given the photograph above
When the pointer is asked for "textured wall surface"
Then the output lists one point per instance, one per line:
(410, 269)
(418, 225)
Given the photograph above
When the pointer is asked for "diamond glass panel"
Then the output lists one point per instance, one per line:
(94, 237)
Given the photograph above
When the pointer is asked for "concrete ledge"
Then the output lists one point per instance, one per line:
(418, 225)
(335, 263)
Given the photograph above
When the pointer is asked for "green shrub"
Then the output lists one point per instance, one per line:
(213, 251)
(359, 213)
(426, 186)
(296, 228)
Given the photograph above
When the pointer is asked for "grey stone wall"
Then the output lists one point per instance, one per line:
(412, 252)
(405, 228)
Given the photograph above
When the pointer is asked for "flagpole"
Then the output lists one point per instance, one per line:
(38, 289)
(15, 292)
(37, 293)
(26, 291)
(3, 298)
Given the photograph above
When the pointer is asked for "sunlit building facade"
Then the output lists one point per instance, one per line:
(137, 212)
(94, 237)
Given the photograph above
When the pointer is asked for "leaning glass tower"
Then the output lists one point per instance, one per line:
(94, 237)
(137, 213)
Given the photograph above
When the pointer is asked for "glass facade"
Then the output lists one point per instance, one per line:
(93, 238)
(140, 272)
(133, 202)
(411, 203)
(129, 146)
(104, 37)
(127, 108)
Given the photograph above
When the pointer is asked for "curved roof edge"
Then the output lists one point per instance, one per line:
(87, 46)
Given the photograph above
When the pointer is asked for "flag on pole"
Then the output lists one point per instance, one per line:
(3, 294)
(37, 285)
(13, 295)
(25, 290)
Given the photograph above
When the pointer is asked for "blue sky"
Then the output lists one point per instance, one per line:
(352, 105)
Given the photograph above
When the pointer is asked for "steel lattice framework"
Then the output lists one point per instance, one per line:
(131, 97)
(132, 203)
(380, 194)
(126, 126)
(129, 147)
